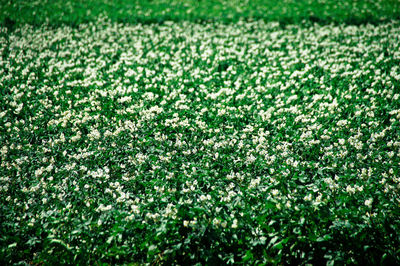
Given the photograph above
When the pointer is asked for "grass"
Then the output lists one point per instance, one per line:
(231, 134)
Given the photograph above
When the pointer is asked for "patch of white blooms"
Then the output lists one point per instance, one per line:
(198, 124)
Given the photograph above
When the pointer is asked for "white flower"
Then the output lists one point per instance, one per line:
(275, 192)
(94, 134)
(234, 224)
(308, 197)
(368, 202)
(103, 208)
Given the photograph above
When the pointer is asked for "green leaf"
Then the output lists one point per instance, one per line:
(110, 239)
(248, 256)
(273, 240)
(12, 245)
(62, 243)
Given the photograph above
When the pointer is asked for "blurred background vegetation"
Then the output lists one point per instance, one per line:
(74, 12)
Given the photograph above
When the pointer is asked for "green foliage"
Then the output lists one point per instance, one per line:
(199, 132)
(74, 12)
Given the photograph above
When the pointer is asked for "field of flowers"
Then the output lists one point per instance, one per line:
(184, 142)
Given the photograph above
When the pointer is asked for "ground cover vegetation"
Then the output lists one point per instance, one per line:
(74, 12)
(211, 142)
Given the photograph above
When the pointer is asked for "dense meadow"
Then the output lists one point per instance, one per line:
(190, 140)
